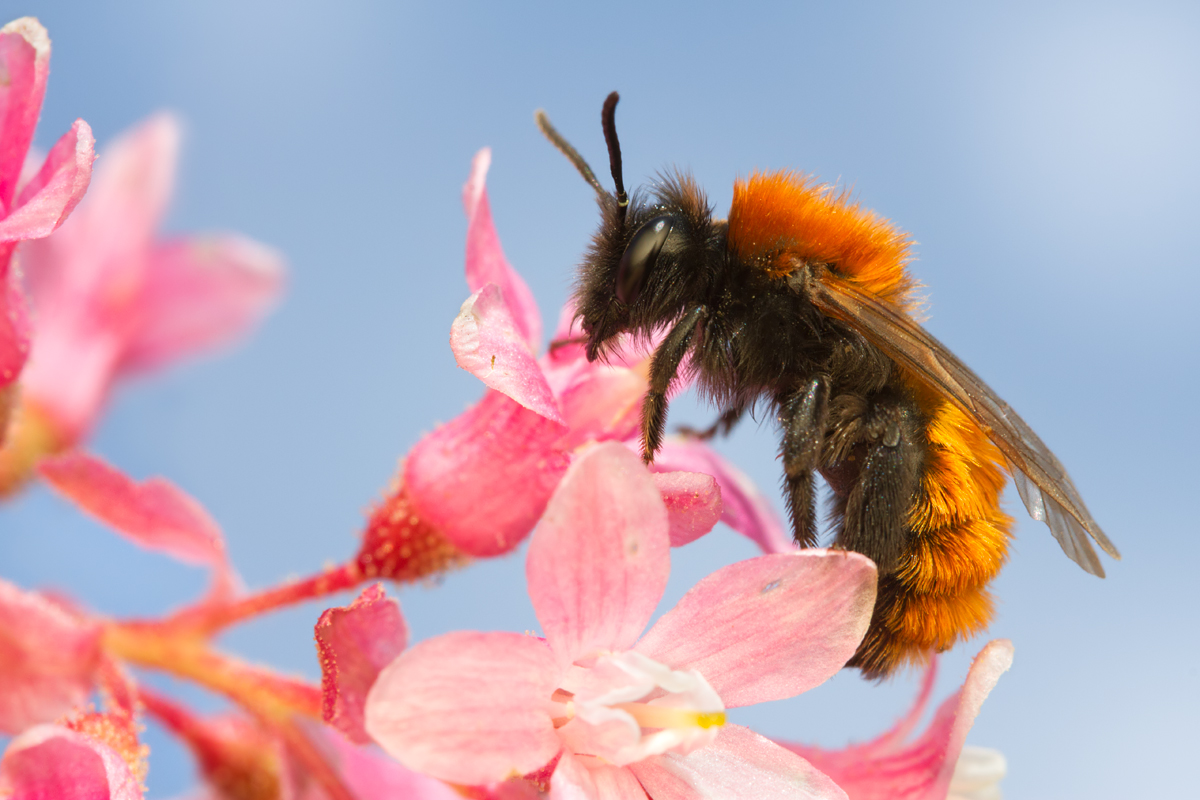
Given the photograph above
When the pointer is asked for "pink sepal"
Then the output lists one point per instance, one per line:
(599, 559)
(739, 764)
(770, 627)
(889, 768)
(50, 762)
(55, 190)
(199, 293)
(14, 329)
(746, 509)
(468, 708)
(484, 478)
(154, 513)
(25, 61)
(574, 781)
(487, 344)
(693, 504)
(485, 259)
(354, 643)
(50, 659)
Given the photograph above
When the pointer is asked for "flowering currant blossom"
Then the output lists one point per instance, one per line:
(483, 479)
(49, 657)
(622, 714)
(111, 300)
(57, 761)
(29, 209)
(83, 754)
(238, 759)
(891, 767)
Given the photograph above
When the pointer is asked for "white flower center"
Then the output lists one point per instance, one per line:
(977, 774)
(623, 707)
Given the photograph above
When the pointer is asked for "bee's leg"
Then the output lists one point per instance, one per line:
(878, 498)
(663, 368)
(724, 424)
(803, 417)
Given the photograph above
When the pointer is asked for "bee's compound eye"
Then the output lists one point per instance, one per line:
(640, 256)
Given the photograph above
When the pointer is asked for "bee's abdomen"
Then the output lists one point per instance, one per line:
(958, 541)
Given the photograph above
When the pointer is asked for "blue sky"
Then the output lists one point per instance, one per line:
(1043, 156)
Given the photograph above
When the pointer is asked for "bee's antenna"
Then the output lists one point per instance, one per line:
(608, 119)
(564, 147)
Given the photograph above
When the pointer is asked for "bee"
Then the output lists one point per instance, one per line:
(801, 300)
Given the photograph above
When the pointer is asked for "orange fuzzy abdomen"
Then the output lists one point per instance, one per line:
(958, 542)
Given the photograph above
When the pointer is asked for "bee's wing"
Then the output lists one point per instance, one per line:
(1043, 483)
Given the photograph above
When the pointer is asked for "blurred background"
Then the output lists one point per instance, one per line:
(1043, 155)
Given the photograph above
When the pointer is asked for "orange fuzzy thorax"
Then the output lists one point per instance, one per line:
(779, 220)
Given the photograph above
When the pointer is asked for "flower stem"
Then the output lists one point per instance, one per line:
(207, 618)
(270, 697)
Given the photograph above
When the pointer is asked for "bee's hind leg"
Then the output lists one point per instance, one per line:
(878, 477)
(803, 416)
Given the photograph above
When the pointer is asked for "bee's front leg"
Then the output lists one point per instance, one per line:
(803, 417)
(663, 368)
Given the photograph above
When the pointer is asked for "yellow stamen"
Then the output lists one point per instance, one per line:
(649, 716)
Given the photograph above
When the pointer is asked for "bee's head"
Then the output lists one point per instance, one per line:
(650, 257)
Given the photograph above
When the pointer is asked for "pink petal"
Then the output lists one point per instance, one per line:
(599, 559)
(100, 255)
(49, 198)
(485, 260)
(484, 478)
(201, 293)
(574, 781)
(693, 504)
(25, 63)
(154, 513)
(602, 403)
(487, 344)
(50, 762)
(354, 643)
(468, 708)
(48, 659)
(770, 627)
(888, 769)
(567, 328)
(739, 764)
(71, 369)
(371, 775)
(746, 510)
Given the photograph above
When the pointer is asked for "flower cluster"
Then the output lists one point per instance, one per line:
(597, 706)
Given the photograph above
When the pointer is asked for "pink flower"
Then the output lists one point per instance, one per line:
(621, 713)
(112, 300)
(892, 767)
(240, 760)
(49, 762)
(39, 206)
(49, 659)
(483, 480)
